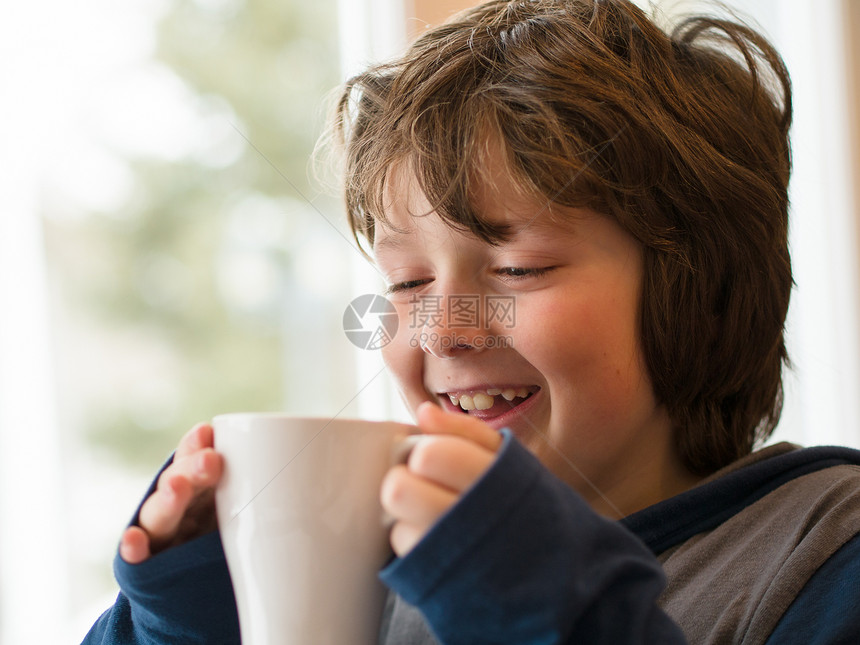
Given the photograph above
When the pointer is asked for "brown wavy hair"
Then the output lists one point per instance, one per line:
(682, 137)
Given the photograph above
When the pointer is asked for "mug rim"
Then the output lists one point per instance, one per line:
(306, 418)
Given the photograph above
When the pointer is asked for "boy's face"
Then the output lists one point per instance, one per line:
(551, 314)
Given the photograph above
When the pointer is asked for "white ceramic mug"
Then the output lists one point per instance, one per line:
(302, 527)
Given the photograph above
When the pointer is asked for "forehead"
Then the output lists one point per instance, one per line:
(495, 198)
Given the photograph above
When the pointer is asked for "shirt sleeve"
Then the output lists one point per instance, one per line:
(827, 609)
(181, 595)
(522, 559)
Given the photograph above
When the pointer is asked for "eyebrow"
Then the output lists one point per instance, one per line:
(389, 241)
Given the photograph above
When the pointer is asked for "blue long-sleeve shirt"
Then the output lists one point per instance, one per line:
(521, 559)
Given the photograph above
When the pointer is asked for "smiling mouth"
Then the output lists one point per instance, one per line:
(490, 402)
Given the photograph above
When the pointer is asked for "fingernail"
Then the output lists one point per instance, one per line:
(426, 405)
(200, 466)
(126, 552)
(170, 490)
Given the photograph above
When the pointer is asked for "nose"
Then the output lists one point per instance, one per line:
(445, 346)
(446, 326)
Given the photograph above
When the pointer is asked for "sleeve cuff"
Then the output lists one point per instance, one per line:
(457, 533)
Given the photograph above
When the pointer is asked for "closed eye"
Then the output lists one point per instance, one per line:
(519, 273)
(406, 285)
(506, 273)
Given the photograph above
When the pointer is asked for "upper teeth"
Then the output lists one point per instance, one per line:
(485, 400)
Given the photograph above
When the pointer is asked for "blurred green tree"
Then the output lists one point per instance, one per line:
(188, 283)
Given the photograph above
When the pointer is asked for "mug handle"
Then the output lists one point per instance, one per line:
(400, 451)
(403, 447)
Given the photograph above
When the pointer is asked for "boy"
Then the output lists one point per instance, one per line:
(591, 479)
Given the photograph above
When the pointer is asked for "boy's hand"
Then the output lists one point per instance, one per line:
(440, 468)
(183, 504)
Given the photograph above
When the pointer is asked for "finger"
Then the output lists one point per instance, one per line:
(184, 481)
(433, 420)
(134, 545)
(404, 537)
(451, 461)
(199, 437)
(413, 499)
(202, 469)
(162, 512)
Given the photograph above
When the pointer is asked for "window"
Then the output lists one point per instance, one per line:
(164, 255)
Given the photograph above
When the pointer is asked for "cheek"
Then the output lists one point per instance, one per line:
(587, 345)
(397, 356)
(578, 325)
(405, 362)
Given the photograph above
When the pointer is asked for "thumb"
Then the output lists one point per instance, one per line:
(433, 420)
